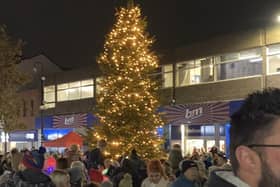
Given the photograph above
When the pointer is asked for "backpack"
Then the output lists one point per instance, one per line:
(126, 181)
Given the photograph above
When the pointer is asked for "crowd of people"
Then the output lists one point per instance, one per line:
(254, 156)
(91, 168)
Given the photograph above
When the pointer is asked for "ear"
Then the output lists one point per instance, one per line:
(249, 160)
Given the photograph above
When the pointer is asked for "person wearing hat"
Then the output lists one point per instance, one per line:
(189, 173)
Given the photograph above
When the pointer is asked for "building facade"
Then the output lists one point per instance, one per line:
(202, 85)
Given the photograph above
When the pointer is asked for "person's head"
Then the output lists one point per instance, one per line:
(155, 171)
(60, 178)
(101, 144)
(254, 128)
(107, 163)
(189, 169)
(176, 147)
(62, 163)
(28, 161)
(221, 158)
(78, 164)
(74, 148)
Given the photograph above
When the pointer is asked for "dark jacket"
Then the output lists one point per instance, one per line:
(182, 181)
(225, 178)
(30, 178)
(96, 159)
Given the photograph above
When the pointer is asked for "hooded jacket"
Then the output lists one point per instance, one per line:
(225, 178)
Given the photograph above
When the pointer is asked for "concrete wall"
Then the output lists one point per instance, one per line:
(216, 91)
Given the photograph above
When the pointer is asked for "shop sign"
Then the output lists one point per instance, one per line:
(205, 113)
(70, 121)
(22, 136)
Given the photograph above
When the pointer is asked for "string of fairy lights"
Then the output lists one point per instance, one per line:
(128, 96)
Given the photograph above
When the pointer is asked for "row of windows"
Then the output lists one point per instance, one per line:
(68, 91)
(222, 67)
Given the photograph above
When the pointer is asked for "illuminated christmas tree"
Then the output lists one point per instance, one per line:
(128, 99)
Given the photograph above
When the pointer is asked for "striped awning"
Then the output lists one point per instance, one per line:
(70, 121)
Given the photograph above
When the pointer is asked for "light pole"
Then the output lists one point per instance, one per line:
(39, 65)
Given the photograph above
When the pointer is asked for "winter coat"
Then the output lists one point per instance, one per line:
(175, 157)
(162, 183)
(182, 181)
(96, 159)
(30, 178)
(225, 178)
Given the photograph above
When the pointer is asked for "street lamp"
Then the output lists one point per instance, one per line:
(38, 67)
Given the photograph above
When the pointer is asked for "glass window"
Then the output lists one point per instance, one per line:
(62, 95)
(62, 86)
(49, 94)
(87, 82)
(208, 130)
(244, 63)
(74, 84)
(75, 90)
(193, 72)
(167, 71)
(87, 91)
(274, 59)
(73, 93)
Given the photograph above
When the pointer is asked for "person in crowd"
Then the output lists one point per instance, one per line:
(78, 174)
(62, 164)
(125, 175)
(138, 165)
(167, 170)
(30, 173)
(96, 156)
(73, 154)
(175, 157)
(220, 162)
(6, 179)
(96, 161)
(92, 184)
(106, 184)
(60, 178)
(156, 176)
(189, 174)
(254, 143)
(202, 173)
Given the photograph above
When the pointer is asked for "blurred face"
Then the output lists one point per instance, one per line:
(155, 177)
(220, 161)
(191, 173)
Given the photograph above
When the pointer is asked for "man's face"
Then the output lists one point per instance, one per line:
(191, 173)
(270, 159)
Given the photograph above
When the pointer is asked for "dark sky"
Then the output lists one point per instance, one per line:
(71, 33)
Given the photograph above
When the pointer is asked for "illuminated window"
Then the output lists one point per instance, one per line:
(240, 64)
(194, 71)
(75, 90)
(49, 97)
(274, 59)
(167, 71)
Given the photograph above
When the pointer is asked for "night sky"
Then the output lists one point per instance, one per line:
(71, 33)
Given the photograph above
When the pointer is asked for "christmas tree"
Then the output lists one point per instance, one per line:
(128, 99)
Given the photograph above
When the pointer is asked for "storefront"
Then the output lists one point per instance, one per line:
(23, 139)
(55, 127)
(200, 126)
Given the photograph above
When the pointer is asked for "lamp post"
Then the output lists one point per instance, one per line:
(39, 65)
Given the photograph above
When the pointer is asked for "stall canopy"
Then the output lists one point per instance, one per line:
(65, 141)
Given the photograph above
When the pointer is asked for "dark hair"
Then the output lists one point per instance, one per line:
(253, 122)
(61, 163)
